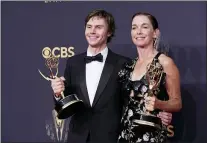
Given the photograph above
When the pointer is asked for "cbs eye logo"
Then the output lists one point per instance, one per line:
(60, 52)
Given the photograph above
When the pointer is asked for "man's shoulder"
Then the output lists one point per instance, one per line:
(121, 58)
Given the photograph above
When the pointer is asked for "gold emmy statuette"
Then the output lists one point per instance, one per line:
(154, 76)
(67, 105)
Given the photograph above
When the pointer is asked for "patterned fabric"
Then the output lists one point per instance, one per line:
(133, 132)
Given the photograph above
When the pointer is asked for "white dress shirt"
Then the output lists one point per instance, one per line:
(93, 73)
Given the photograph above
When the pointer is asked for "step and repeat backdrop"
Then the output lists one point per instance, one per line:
(32, 31)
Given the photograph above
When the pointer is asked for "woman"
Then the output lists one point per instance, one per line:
(150, 84)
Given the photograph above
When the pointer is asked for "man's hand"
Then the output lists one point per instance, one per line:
(165, 117)
(58, 86)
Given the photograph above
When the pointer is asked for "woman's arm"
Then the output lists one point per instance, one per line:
(174, 103)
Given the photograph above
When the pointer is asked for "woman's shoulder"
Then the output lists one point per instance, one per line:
(168, 64)
(127, 67)
(165, 61)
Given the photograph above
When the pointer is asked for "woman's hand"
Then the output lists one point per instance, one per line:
(150, 103)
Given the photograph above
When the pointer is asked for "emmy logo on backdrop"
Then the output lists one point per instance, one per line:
(57, 129)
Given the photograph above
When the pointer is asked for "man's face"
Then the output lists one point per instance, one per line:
(96, 32)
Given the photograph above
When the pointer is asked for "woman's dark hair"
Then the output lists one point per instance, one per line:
(152, 19)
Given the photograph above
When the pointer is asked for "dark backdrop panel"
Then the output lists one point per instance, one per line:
(28, 27)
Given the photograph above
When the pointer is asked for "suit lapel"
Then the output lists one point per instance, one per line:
(82, 78)
(106, 73)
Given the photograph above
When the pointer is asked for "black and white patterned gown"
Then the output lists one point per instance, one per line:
(132, 132)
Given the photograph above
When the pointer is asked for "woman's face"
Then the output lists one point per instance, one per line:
(142, 32)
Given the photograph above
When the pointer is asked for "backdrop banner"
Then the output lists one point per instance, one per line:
(32, 31)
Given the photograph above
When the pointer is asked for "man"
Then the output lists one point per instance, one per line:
(95, 82)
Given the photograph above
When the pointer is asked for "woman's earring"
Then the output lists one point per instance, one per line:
(155, 43)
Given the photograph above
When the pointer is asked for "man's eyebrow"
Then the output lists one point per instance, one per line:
(95, 25)
(145, 24)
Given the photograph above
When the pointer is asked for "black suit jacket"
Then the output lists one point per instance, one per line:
(101, 121)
